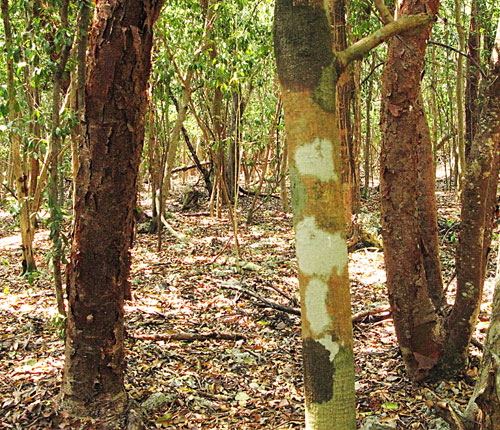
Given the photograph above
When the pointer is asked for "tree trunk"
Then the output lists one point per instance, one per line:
(119, 66)
(472, 77)
(478, 211)
(345, 88)
(368, 137)
(20, 176)
(460, 94)
(483, 411)
(56, 218)
(408, 208)
(307, 74)
(308, 71)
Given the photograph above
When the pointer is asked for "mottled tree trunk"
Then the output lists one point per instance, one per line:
(119, 66)
(308, 71)
(307, 74)
(409, 224)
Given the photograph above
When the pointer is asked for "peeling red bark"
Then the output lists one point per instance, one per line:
(432, 343)
(407, 200)
(118, 70)
(478, 213)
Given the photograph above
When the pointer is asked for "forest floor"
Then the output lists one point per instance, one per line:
(190, 288)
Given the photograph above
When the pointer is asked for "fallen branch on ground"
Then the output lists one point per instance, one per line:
(367, 312)
(269, 303)
(294, 311)
(273, 287)
(179, 236)
(196, 214)
(189, 337)
(262, 195)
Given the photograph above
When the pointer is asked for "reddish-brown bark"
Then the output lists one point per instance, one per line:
(407, 200)
(478, 212)
(119, 65)
(431, 342)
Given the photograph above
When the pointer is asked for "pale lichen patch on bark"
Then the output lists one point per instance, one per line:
(331, 346)
(316, 159)
(318, 251)
(317, 316)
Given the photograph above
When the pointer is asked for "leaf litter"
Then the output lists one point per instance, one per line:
(201, 352)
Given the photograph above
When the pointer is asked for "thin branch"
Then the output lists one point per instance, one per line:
(371, 73)
(10, 191)
(383, 11)
(268, 303)
(189, 337)
(362, 47)
(192, 166)
(368, 312)
(451, 48)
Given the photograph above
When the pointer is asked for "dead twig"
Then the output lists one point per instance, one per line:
(282, 293)
(189, 337)
(268, 303)
(295, 311)
(367, 312)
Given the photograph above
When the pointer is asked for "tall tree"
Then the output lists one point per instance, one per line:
(483, 410)
(433, 340)
(19, 167)
(409, 224)
(308, 69)
(118, 69)
(472, 76)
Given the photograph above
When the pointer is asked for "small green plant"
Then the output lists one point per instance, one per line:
(31, 276)
(59, 323)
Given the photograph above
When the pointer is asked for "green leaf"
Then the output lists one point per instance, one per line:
(390, 406)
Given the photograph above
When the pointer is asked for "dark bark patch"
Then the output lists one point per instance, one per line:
(303, 44)
(318, 372)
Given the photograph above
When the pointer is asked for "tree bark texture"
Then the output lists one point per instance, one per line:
(478, 212)
(459, 91)
(18, 165)
(433, 344)
(118, 70)
(483, 411)
(408, 207)
(484, 406)
(344, 95)
(308, 76)
(472, 77)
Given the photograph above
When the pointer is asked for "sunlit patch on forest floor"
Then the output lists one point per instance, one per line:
(196, 288)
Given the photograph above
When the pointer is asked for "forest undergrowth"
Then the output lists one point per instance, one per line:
(204, 348)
